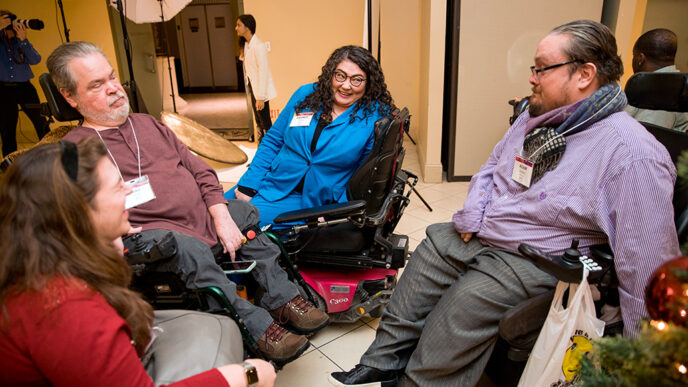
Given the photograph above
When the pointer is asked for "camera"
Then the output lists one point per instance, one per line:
(137, 251)
(34, 24)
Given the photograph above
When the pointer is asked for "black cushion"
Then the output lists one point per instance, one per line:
(59, 108)
(658, 91)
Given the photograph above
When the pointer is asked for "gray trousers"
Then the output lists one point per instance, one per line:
(195, 264)
(188, 343)
(442, 321)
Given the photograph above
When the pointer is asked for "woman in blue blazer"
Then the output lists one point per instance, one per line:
(320, 139)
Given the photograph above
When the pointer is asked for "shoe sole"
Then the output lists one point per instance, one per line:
(308, 331)
(282, 361)
(337, 383)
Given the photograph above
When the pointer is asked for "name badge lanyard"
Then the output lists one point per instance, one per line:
(138, 150)
(141, 190)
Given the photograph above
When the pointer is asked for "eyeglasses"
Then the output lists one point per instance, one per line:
(355, 80)
(536, 72)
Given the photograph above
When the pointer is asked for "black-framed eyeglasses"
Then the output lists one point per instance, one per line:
(536, 72)
(355, 80)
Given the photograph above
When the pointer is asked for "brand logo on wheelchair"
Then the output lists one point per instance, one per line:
(339, 289)
(335, 301)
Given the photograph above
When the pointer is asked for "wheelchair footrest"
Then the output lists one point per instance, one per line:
(372, 306)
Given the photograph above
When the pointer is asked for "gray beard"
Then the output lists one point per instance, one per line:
(119, 115)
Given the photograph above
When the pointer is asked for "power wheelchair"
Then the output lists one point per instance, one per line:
(343, 256)
(520, 327)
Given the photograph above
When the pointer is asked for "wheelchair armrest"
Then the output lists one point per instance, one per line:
(334, 210)
(520, 325)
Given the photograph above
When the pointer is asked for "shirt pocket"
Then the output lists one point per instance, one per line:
(543, 204)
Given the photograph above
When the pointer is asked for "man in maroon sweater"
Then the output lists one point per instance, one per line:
(186, 199)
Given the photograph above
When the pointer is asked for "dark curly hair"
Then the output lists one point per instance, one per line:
(375, 97)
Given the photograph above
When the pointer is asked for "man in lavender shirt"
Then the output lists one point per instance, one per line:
(574, 166)
(187, 201)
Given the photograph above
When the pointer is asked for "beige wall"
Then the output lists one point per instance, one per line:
(86, 20)
(671, 14)
(302, 35)
(629, 24)
(400, 54)
(428, 122)
(497, 43)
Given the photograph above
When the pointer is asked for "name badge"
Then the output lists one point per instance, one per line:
(301, 119)
(142, 192)
(523, 171)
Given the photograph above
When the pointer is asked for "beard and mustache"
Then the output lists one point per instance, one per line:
(117, 115)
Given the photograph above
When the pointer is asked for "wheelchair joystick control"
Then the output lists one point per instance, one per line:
(572, 254)
(138, 243)
(139, 251)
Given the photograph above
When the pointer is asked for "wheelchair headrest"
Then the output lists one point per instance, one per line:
(658, 91)
(59, 108)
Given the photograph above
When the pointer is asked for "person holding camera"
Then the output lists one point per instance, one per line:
(17, 55)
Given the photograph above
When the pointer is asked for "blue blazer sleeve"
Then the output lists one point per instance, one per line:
(273, 141)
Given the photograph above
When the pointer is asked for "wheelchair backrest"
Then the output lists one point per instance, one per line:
(374, 178)
(658, 91)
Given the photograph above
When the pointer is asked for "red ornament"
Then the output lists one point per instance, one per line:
(666, 295)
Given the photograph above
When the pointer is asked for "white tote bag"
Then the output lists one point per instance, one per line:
(564, 338)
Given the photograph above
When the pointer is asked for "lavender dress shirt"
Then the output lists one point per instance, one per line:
(614, 184)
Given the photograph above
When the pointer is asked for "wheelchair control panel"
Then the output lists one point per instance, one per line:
(568, 267)
(137, 251)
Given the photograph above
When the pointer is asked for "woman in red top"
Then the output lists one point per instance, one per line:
(67, 317)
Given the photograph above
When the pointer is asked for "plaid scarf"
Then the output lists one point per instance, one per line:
(545, 140)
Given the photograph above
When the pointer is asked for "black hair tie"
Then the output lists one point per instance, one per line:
(70, 159)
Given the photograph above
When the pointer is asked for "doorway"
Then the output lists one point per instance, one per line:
(208, 72)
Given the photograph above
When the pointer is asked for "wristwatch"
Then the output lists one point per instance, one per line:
(251, 373)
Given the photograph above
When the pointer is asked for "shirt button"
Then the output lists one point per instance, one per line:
(308, 162)
(506, 196)
(485, 218)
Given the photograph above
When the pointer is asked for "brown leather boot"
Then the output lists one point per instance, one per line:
(301, 315)
(280, 345)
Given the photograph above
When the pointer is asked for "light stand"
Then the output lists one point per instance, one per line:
(167, 49)
(127, 49)
(64, 21)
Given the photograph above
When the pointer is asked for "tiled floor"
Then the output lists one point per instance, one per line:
(339, 346)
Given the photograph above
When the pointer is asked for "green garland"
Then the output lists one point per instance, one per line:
(652, 359)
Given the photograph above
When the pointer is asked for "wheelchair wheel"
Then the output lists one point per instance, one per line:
(377, 312)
